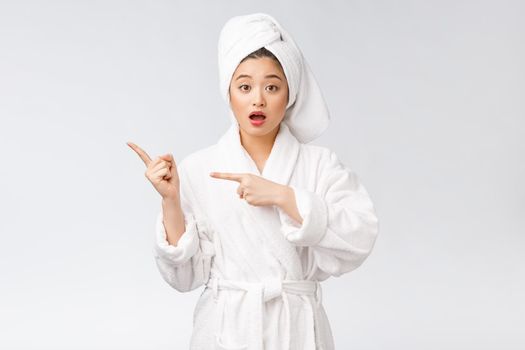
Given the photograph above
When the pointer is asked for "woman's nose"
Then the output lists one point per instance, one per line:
(258, 98)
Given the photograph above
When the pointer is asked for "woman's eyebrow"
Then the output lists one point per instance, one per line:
(267, 76)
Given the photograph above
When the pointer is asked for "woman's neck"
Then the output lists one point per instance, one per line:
(259, 147)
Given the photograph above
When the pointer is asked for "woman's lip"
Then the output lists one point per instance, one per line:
(257, 122)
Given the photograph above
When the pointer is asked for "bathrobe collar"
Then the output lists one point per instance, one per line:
(280, 163)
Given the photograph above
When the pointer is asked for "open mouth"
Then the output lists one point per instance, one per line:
(257, 117)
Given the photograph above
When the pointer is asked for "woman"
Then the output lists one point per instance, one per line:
(261, 217)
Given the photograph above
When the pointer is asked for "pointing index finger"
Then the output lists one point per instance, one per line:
(227, 176)
(142, 154)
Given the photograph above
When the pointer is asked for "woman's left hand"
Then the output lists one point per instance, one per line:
(255, 189)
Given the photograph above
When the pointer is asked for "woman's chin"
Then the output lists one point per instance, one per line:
(258, 130)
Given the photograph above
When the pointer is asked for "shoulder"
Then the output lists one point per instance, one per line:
(315, 150)
(325, 159)
(320, 155)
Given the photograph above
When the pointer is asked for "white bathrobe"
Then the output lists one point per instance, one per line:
(261, 268)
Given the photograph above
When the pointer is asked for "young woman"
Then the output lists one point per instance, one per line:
(261, 217)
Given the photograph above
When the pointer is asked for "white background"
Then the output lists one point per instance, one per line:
(427, 106)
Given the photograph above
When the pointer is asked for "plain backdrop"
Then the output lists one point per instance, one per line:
(427, 107)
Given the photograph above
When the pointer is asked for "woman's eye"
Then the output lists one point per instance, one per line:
(275, 88)
(242, 87)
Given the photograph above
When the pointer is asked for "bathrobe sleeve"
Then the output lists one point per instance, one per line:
(185, 266)
(339, 225)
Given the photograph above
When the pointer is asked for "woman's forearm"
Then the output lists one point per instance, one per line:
(173, 220)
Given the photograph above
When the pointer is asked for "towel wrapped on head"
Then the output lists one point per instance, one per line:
(306, 115)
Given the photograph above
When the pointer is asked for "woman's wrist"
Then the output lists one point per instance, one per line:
(284, 193)
(171, 201)
(288, 203)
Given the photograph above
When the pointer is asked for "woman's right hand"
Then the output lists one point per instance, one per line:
(161, 172)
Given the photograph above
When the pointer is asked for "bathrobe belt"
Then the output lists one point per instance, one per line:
(261, 292)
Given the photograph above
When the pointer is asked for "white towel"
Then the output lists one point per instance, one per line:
(307, 115)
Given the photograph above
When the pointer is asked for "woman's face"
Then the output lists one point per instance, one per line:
(259, 85)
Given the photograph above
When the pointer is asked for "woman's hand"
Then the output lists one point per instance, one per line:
(161, 172)
(254, 189)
